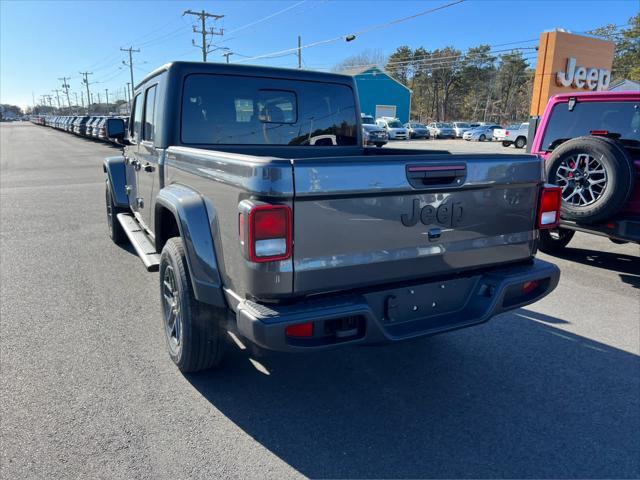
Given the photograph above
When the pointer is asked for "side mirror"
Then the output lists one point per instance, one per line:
(114, 128)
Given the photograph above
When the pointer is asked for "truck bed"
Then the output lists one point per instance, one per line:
(366, 217)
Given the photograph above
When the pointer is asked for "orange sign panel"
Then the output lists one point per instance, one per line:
(569, 63)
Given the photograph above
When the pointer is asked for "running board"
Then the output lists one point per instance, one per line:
(141, 243)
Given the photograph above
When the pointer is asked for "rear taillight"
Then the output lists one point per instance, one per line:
(530, 287)
(269, 232)
(300, 330)
(549, 210)
(506, 133)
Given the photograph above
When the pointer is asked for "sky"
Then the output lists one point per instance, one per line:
(42, 41)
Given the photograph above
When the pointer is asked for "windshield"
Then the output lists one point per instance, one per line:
(227, 109)
(417, 125)
(394, 124)
(366, 120)
(622, 118)
(461, 125)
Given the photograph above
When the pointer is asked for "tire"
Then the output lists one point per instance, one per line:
(193, 330)
(506, 144)
(482, 138)
(379, 145)
(116, 232)
(521, 142)
(597, 176)
(553, 241)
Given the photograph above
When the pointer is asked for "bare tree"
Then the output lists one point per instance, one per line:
(364, 58)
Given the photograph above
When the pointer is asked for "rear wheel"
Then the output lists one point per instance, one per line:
(553, 241)
(520, 142)
(506, 144)
(596, 175)
(193, 330)
(482, 137)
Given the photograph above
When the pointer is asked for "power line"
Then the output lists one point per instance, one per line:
(268, 17)
(204, 32)
(352, 36)
(165, 36)
(425, 60)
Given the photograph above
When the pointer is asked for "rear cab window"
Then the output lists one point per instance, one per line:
(135, 127)
(148, 133)
(235, 110)
(619, 118)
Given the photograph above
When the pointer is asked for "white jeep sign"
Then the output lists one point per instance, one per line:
(582, 77)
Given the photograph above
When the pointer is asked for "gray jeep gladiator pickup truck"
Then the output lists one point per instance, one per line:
(249, 189)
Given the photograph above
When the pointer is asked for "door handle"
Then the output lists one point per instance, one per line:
(148, 167)
(135, 164)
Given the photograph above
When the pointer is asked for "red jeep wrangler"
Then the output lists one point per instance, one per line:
(591, 144)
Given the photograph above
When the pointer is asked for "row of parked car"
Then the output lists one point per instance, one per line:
(379, 131)
(92, 126)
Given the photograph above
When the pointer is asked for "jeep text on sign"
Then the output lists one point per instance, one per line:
(582, 77)
(569, 63)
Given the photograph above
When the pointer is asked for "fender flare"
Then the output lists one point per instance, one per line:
(192, 216)
(115, 169)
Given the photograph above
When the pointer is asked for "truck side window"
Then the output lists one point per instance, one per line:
(137, 118)
(149, 114)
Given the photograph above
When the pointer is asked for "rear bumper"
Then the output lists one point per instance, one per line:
(393, 314)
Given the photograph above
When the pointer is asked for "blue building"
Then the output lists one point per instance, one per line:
(380, 94)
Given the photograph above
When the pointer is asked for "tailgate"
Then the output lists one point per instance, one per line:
(362, 221)
(499, 133)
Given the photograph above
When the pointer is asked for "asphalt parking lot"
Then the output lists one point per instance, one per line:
(87, 389)
(455, 145)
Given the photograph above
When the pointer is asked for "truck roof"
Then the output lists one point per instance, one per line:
(248, 70)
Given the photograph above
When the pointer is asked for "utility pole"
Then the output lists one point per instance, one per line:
(130, 98)
(299, 51)
(65, 86)
(228, 54)
(106, 91)
(99, 102)
(131, 50)
(82, 99)
(86, 83)
(203, 19)
(76, 95)
(57, 95)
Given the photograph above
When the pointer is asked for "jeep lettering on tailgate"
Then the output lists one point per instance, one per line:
(447, 214)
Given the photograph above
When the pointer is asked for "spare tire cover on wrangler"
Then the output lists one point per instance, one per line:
(596, 175)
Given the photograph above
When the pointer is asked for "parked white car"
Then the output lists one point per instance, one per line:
(480, 134)
(394, 128)
(460, 127)
(512, 135)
